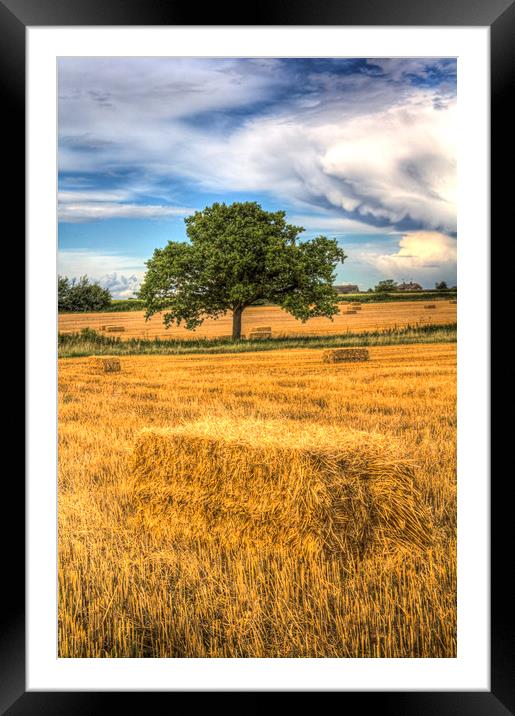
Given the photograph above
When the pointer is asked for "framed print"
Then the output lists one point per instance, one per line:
(257, 363)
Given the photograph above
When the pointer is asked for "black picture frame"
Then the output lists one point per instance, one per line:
(15, 17)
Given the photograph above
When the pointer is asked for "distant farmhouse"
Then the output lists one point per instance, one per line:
(411, 286)
(347, 288)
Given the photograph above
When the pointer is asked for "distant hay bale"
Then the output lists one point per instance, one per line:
(345, 355)
(271, 485)
(107, 364)
(111, 365)
(262, 329)
(430, 305)
(114, 329)
(351, 311)
(254, 335)
(454, 302)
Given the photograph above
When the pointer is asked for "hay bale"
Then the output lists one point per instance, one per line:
(453, 302)
(430, 305)
(272, 485)
(114, 329)
(345, 355)
(111, 365)
(260, 332)
(350, 311)
(256, 335)
(106, 364)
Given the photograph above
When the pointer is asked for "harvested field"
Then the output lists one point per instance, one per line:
(134, 583)
(372, 316)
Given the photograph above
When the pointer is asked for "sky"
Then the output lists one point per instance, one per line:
(361, 150)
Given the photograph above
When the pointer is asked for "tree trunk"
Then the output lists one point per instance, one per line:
(236, 322)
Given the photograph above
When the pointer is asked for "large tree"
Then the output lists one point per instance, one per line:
(240, 255)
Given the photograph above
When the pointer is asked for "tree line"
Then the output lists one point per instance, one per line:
(81, 295)
(390, 286)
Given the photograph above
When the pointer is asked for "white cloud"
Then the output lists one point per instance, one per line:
(379, 149)
(122, 272)
(402, 165)
(119, 285)
(142, 89)
(331, 223)
(86, 195)
(395, 164)
(423, 256)
(91, 211)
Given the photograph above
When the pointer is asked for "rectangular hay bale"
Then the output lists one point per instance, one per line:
(112, 365)
(114, 329)
(430, 305)
(267, 485)
(345, 355)
(253, 335)
(107, 364)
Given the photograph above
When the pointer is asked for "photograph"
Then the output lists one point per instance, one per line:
(257, 372)
(257, 250)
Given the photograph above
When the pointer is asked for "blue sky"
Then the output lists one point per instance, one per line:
(362, 150)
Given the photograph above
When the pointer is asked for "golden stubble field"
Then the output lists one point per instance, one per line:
(127, 589)
(371, 317)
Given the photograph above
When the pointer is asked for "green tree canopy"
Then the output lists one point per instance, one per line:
(239, 255)
(81, 295)
(442, 286)
(386, 286)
